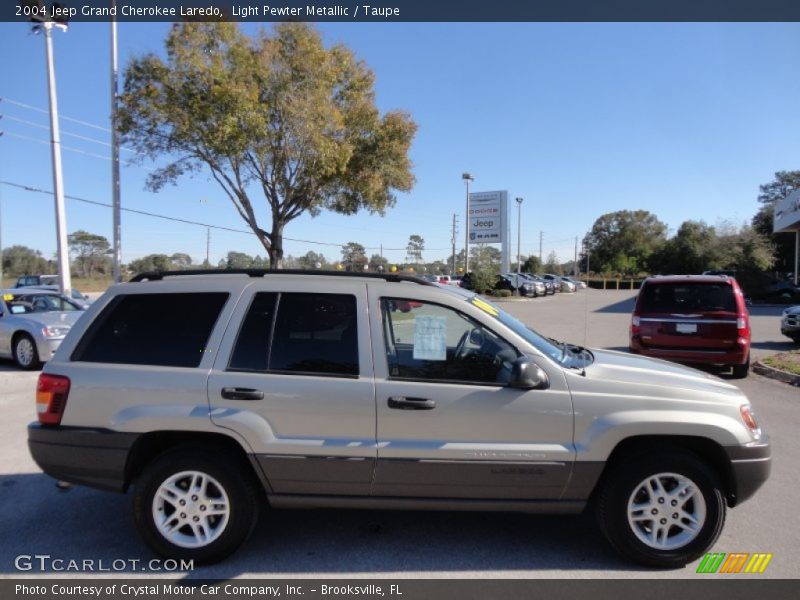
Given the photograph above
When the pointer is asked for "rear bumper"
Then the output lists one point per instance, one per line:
(735, 356)
(751, 466)
(91, 457)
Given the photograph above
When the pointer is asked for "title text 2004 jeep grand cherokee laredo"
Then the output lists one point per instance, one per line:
(206, 392)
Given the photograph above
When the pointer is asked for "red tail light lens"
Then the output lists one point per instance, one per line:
(51, 398)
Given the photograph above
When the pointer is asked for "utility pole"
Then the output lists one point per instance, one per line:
(588, 250)
(208, 246)
(467, 178)
(577, 269)
(541, 237)
(116, 210)
(64, 276)
(453, 233)
(519, 235)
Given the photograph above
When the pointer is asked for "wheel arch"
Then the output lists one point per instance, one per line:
(703, 449)
(150, 446)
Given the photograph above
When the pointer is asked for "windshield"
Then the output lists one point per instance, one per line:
(555, 350)
(19, 304)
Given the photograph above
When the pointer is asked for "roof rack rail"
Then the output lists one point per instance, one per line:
(391, 277)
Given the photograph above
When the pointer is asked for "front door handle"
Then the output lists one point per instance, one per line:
(242, 394)
(403, 403)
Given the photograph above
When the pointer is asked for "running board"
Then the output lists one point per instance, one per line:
(563, 507)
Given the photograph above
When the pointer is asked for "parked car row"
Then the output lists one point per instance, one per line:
(529, 284)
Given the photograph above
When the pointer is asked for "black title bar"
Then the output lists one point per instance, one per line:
(395, 11)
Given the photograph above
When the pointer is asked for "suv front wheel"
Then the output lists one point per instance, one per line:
(662, 510)
(190, 504)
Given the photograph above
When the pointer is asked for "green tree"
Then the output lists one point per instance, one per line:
(279, 117)
(414, 249)
(622, 241)
(180, 261)
(693, 249)
(313, 260)
(553, 265)
(151, 262)
(378, 263)
(485, 263)
(784, 183)
(21, 260)
(532, 264)
(238, 260)
(90, 252)
(354, 256)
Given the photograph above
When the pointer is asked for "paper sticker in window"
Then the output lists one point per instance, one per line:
(430, 338)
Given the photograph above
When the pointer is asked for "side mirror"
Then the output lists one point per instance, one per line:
(526, 375)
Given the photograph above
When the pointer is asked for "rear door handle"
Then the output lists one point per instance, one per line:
(403, 403)
(242, 394)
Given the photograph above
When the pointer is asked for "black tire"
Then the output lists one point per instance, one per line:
(740, 371)
(26, 355)
(627, 476)
(236, 482)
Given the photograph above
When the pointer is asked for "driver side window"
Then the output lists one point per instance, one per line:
(430, 342)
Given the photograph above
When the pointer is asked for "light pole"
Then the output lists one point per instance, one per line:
(467, 178)
(64, 277)
(519, 232)
(116, 210)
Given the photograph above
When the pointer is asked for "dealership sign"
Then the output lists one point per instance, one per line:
(487, 217)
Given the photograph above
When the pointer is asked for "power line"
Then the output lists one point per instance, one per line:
(74, 150)
(75, 135)
(41, 110)
(28, 188)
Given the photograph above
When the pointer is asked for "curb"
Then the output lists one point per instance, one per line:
(777, 374)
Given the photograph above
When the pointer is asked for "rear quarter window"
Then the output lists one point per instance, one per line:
(168, 330)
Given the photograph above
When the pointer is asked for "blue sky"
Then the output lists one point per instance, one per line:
(683, 120)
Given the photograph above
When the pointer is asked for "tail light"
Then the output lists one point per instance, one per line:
(635, 321)
(742, 327)
(51, 398)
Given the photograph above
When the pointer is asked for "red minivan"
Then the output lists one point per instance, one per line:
(693, 319)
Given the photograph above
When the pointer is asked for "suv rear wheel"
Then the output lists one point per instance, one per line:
(662, 510)
(191, 504)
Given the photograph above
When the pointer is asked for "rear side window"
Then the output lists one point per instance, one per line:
(688, 297)
(311, 333)
(169, 330)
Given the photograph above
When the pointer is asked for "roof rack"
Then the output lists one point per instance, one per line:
(391, 277)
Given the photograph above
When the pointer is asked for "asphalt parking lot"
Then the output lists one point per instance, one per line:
(79, 523)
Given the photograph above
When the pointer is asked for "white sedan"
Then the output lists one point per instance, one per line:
(33, 323)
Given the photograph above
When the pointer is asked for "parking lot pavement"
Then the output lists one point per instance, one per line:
(37, 518)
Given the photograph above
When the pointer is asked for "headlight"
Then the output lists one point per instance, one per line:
(51, 332)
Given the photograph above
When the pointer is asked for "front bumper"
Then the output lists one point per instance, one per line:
(86, 456)
(47, 347)
(751, 466)
(790, 326)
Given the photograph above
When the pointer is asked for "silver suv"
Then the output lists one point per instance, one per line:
(215, 395)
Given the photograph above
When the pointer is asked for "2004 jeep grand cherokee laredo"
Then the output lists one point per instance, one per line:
(213, 395)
